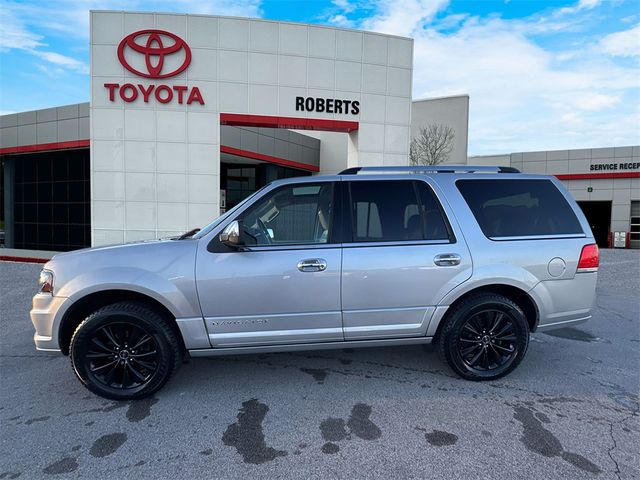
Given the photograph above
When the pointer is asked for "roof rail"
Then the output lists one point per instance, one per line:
(430, 169)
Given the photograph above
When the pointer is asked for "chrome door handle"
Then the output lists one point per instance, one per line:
(312, 265)
(447, 259)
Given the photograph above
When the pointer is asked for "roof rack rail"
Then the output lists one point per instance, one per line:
(430, 169)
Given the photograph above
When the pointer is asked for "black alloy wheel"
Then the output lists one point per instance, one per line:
(122, 355)
(125, 351)
(487, 340)
(484, 337)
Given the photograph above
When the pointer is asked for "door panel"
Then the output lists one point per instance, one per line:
(392, 291)
(261, 297)
(283, 284)
(404, 258)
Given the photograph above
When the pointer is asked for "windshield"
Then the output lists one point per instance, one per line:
(205, 231)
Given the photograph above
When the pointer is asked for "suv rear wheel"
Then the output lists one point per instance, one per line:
(124, 351)
(484, 337)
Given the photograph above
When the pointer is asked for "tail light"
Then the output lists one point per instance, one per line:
(589, 258)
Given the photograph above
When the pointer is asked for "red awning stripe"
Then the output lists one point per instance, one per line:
(41, 147)
(267, 158)
(292, 123)
(8, 258)
(597, 176)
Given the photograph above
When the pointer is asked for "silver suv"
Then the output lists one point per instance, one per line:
(473, 258)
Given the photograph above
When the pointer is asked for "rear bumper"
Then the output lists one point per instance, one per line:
(45, 315)
(565, 302)
(562, 324)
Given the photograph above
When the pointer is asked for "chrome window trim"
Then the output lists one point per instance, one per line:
(324, 246)
(537, 237)
(397, 243)
(293, 246)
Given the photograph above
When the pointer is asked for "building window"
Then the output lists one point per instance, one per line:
(241, 180)
(51, 201)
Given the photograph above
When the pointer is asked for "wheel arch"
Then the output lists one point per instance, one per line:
(516, 294)
(84, 306)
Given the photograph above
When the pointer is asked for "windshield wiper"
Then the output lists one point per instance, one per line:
(188, 234)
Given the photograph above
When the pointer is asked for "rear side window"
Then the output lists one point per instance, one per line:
(514, 208)
(395, 210)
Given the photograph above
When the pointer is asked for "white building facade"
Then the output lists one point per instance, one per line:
(162, 85)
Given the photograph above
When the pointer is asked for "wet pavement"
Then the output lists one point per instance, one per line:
(570, 410)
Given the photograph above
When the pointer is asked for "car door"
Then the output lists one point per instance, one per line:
(404, 255)
(283, 285)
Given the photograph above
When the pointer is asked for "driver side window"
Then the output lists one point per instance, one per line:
(290, 215)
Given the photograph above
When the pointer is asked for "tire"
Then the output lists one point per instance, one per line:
(485, 337)
(106, 363)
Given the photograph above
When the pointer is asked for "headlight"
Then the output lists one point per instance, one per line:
(45, 281)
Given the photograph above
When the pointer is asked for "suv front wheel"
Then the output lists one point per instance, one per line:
(484, 337)
(124, 351)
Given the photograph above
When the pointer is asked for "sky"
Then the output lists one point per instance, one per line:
(541, 75)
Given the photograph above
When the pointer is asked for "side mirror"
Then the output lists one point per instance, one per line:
(230, 236)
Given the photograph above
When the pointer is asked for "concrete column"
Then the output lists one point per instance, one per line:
(352, 150)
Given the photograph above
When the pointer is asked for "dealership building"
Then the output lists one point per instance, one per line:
(189, 114)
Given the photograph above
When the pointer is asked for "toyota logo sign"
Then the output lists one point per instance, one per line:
(153, 48)
(154, 51)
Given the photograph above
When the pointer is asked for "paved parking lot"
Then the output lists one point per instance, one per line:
(569, 411)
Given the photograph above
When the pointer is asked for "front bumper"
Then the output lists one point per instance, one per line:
(45, 315)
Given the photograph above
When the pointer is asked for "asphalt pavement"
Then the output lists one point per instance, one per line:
(570, 410)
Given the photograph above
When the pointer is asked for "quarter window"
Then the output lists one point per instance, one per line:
(395, 210)
(291, 215)
(512, 208)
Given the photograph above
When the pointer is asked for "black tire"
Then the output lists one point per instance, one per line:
(467, 332)
(109, 366)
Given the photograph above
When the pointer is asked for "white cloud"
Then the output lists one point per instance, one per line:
(239, 8)
(341, 20)
(13, 34)
(28, 26)
(523, 96)
(62, 61)
(452, 21)
(597, 101)
(402, 17)
(581, 5)
(622, 44)
(589, 4)
(344, 5)
(51, 71)
(71, 17)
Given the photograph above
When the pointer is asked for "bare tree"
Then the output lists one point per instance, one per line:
(432, 145)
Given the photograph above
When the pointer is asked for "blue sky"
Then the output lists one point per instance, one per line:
(541, 74)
